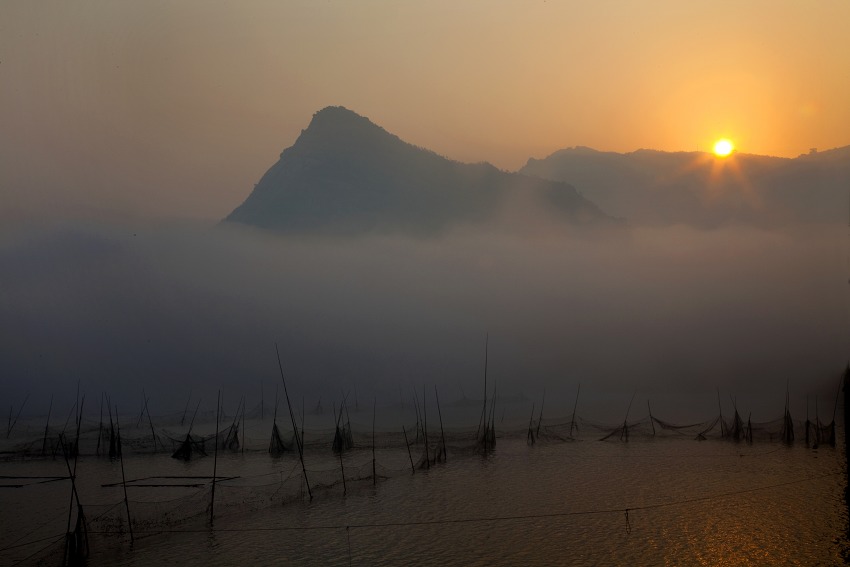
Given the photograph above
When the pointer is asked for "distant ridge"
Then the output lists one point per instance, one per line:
(696, 188)
(346, 174)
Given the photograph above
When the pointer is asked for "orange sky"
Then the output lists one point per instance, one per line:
(177, 108)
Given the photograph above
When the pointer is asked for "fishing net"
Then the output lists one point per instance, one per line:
(343, 438)
(277, 446)
(817, 433)
(190, 447)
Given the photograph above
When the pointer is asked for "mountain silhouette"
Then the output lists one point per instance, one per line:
(346, 174)
(697, 188)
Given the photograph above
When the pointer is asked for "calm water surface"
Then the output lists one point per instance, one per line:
(557, 503)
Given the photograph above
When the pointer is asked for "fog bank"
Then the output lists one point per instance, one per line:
(669, 314)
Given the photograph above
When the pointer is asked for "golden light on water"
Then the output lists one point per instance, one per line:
(723, 147)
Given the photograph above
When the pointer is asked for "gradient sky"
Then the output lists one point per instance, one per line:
(175, 109)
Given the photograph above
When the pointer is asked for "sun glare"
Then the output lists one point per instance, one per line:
(723, 147)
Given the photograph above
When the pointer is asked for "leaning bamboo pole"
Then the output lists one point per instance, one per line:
(425, 429)
(575, 407)
(442, 431)
(47, 427)
(113, 445)
(651, 420)
(72, 474)
(339, 435)
(124, 483)
(540, 417)
(409, 456)
(185, 409)
(74, 495)
(294, 426)
(215, 460)
(624, 433)
(12, 423)
(150, 421)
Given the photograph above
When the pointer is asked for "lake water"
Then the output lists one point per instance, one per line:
(558, 502)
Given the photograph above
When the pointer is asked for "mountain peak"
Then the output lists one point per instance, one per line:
(339, 116)
(336, 129)
(345, 173)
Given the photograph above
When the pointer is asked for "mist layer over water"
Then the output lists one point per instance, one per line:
(671, 314)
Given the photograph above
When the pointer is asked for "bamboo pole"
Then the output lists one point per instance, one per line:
(113, 447)
(625, 433)
(651, 421)
(72, 474)
(12, 423)
(483, 422)
(215, 460)
(492, 425)
(540, 417)
(529, 438)
(99, 426)
(234, 425)
(374, 410)
(418, 415)
(345, 405)
(74, 495)
(185, 409)
(142, 411)
(124, 483)
(194, 415)
(425, 429)
(486, 357)
(150, 421)
(341, 448)
(68, 419)
(720, 411)
(274, 421)
(77, 436)
(575, 407)
(47, 426)
(407, 443)
(442, 431)
(294, 426)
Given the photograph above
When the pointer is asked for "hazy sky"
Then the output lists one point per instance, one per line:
(177, 108)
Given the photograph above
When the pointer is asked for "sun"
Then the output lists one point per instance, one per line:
(723, 147)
